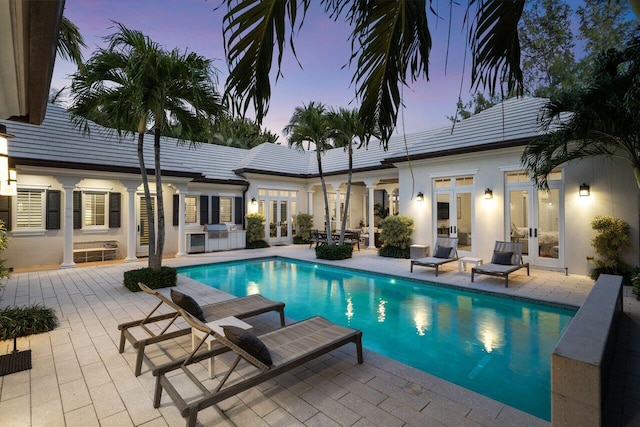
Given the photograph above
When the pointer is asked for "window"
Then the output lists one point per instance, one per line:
(190, 210)
(30, 209)
(226, 209)
(95, 209)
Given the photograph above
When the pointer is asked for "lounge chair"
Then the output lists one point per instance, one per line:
(446, 250)
(507, 258)
(241, 308)
(286, 348)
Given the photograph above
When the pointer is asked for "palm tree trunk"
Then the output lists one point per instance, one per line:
(327, 217)
(147, 196)
(160, 198)
(348, 196)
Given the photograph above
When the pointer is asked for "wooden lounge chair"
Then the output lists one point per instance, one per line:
(446, 250)
(507, 258)
(241, 308)
(288, 347)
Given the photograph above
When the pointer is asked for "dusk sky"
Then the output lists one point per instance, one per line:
(322, 46)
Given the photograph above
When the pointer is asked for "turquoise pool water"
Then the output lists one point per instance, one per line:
(497, 346)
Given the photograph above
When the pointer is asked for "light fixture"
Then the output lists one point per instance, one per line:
(585, 190)
(488, 194)
(253, 201)
(420, 197)
(5, 183)
(11, 186)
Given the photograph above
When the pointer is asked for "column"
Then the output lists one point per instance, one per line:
(132, 230)
(338, 213)
(67, 226)
(310, 192)
(372, 241)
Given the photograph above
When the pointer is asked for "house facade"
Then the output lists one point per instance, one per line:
(79, 191)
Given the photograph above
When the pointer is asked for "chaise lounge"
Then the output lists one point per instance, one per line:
(241, 308)
(270, 355)
(507, 258)
(446, 250)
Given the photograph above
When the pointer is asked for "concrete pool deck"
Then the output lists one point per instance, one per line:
(79, 378)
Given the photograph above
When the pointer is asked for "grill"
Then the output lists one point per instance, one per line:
(216, 231)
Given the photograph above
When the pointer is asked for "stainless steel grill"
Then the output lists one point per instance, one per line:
(217, 231)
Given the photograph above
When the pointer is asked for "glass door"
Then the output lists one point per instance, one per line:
(277, 206)
(535, 219)
(453, 211)
(142, 241)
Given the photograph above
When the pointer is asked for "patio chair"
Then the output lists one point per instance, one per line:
(314, 237)
(507, 258)
(446, 250)
(268, 355)
(352, 238)
(241, 308)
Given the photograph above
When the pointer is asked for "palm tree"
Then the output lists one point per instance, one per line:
(70, 42)
(600, 119)
(310, 124)
(345, 128)
(134, 84)
(390, 43)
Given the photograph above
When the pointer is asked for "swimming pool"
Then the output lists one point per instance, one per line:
(497, 346)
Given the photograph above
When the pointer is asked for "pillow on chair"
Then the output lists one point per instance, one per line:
(442, 252)
(503, 258)
(248, 342)
(188, 304)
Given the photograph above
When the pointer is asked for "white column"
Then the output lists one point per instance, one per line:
(182, 237)
(372, 242)
(132, 230)
(67, 226)
(338, 213)
(310, 201)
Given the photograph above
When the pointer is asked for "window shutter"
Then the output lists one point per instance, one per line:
(239, 210)
(5, 211)
(176, 209)
(204, 210)
(53, 210)
(115, 207)
(215, 209)
(77, 209)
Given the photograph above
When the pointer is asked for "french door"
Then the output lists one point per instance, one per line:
(536, 218)
(278, 208)
(142, 240)
(453, 211)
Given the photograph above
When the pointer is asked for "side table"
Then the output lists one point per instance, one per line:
(216, 326)
(462, 263)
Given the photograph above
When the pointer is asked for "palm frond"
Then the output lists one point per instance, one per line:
(70, 42)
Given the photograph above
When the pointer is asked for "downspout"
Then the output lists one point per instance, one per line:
(244, 205)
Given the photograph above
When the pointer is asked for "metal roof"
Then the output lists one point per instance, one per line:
(58, 143)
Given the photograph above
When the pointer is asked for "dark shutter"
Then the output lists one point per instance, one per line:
(115, 206)
(215, 210)
(176, 209)
(77, 209)
(239, 210)
(204, 210)
(5, 211)
(53, 209)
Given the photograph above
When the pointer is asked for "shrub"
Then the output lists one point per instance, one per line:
(609, 243)
(297, 240)
(255, 231)
(257, 244)
(334, 252)
(163, 278)
(4, 241)
(636, 286)
(394, 252)
(396, 236)
(305, 224)
(18, 322)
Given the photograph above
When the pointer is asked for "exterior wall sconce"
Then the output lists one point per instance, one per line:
(585, 190)
(488, 194)
(254, 201)
(420, 197)
(8, 186)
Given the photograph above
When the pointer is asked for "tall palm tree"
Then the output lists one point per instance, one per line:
(390, 44)
(310, 124)
(346, 127)
(599, 119)
(135, 84)
(70, 42)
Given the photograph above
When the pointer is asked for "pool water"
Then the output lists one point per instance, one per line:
(497, 346)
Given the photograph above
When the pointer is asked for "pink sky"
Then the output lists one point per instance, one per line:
(322, 47)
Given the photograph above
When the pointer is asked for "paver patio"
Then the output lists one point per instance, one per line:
(79, 378)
